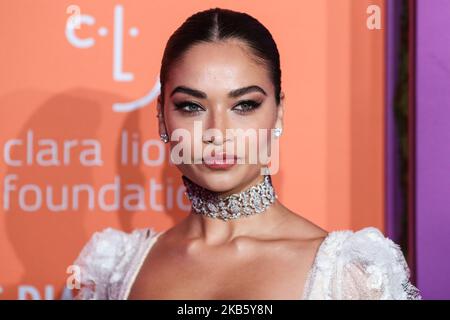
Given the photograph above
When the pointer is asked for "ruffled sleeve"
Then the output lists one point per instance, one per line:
(96, 263)
(371, 266)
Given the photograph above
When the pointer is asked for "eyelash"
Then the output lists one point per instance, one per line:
(253, 105)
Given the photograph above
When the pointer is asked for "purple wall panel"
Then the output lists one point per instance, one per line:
(433, 148)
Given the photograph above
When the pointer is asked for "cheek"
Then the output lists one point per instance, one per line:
(265, 138)
(257, 141)
(260, 123)
(187, 135)
(179, 124)
(174, 121)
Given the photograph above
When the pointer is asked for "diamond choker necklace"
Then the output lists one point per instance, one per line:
(253, 200)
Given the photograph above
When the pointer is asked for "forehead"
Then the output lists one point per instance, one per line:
(218, 68)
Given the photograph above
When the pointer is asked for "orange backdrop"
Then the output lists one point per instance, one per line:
(73, 104)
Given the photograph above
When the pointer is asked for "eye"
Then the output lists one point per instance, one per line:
(247, 106)
(188, 108)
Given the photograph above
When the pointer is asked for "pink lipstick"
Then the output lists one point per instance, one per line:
(221, 161)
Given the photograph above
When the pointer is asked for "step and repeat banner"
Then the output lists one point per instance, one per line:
(80, 149)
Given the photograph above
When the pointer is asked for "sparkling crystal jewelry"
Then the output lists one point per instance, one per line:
(253, 200)
(277, 132)
(164, 137)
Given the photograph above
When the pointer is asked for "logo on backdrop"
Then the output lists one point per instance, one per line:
(77, 19)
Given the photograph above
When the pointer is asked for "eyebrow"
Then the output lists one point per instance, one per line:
(232, 94)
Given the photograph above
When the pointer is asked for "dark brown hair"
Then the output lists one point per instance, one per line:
(217, 24)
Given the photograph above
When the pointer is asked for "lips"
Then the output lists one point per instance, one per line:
(220, 161)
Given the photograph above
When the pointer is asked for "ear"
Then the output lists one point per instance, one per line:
(280, 112)
(160, 116)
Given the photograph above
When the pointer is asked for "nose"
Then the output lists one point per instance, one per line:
(215, 127)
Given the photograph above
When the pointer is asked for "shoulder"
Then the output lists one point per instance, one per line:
(366, 265)
(104, 259)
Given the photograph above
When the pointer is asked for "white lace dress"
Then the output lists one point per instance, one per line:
(348, 265)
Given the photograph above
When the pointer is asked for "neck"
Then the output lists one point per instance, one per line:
(217, 230)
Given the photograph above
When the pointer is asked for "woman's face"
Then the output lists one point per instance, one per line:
(212, 71)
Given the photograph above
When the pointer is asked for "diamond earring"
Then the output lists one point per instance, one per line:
(277, 132)
(164, 137)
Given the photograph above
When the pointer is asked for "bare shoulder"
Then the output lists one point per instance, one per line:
(299, 237)
(299, 227)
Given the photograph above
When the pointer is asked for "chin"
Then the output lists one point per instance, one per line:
(218, 180)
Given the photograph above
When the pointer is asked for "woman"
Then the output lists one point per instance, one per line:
(239, 242)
